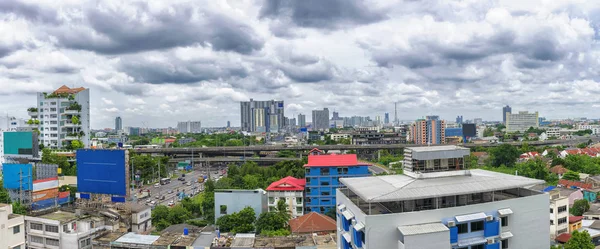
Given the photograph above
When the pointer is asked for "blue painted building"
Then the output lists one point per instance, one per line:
(323, 173)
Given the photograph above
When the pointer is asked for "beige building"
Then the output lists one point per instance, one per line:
(521, 121)
(559, 213)
(12, 230)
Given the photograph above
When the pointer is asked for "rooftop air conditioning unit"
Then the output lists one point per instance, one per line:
(451, 223)
(489, 218)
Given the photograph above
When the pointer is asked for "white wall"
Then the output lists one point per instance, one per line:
(528, 223)
(554, 216)
(9, 239)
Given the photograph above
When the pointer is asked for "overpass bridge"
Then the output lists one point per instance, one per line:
(233, 159)
(208, 151)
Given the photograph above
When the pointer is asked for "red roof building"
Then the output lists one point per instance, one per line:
(558, 169)
(575, 219)
(569, 184)
(288, 184)
(333, 160)
(563, 238)
(313, 223)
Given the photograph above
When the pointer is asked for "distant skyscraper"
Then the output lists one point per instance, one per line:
(386, 119)
(118, 124)
(336, 116)
(292, 122)
(301, 120)
(228, 124)
(189, 127)
(320, 119)
(428, 131)
(522, 121)
(262, 116)
(459, 119)
(396, 121)
(505, 110)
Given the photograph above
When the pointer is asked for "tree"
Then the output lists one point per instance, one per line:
(282, 209)
(4, 197)
(488, 132)
(19, 209)
(504, 154)
(179, 214)
(580, 207)
(240, 222)
(251, 182)
(533, 169)
(270, 221)
(159, 213)
(331, 213)
(76, 144)
(579, 240)
(571, 176)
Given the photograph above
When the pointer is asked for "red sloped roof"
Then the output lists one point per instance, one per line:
(46, 180)
(558, 169)
(563, 237)
(568, 183)
(332, 160)
(574, 219)
(288, 184)
(312, 223)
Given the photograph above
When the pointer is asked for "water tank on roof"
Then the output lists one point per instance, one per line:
(185, 231)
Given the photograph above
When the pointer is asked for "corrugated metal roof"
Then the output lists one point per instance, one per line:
(423, 229)
(470, 217)
(137, 239)
(403, 187)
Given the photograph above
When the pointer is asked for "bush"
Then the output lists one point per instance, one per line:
(198, 223)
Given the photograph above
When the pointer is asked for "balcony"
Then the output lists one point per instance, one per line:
(70, 112)
(71, 124)
(32, 114)
(71, 137)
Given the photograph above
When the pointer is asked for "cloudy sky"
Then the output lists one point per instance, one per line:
(157, 62)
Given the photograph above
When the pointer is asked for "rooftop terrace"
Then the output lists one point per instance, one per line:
(60, 216)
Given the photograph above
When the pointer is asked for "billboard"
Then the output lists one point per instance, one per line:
(44, 184)
(17, 176)
(469, 130)
(45, 194)
(20, 144)
(102, 171)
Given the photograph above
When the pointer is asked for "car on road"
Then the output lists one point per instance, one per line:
(170, 191)
(181, 179)
(156, 196)
(189, 183)
(171, 203)
(157, 185)
(149, 200)
(162, 198)
(153, 203)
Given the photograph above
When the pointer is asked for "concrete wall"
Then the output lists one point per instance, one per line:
(528, 223)
(238, 200)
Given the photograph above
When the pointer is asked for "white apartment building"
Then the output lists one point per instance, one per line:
(289, 189)
(189, 127)
(439, 204)
(521, 121)
(57, 112)
(559, 213)
(553, 131)
(141, 218)
(62, 230)
(338, 136)
(12, 230)
(595, 128)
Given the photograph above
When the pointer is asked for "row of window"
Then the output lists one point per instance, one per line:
(40, 240)
(298, 209)
(482, 246)
(40, 227)
(272, 200)
(325, 171)
(478, 225)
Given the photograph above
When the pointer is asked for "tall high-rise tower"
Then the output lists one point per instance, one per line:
(505, 110)
(396, 121)
(262, 116)
(118, 124)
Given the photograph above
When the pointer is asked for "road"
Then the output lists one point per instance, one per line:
(177, 186)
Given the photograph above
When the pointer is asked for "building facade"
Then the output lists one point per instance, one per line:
(594, 128)
(62, 230)
(428, 131)
(323, 174)
(63, 116)
(141, 218)
(118, 124)
(506, 111)
(290, 190)
(559, 213)
(189, 127)
(301, 120)
(262, 116)
(12, 229)
(521, 121)
(439, 205)
(228, 201)
(320, 119)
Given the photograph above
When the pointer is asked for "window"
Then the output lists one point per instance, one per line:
(477, 226)
(271, 200)
(298, 210)
(65, 228)
(562, 220)
(36, 239)
(463, 228)
(298, 200)
(504, 221)
(505, 244)
(223, 209)
(325, 193)
(73, 225)
(551, 222)
(342, 170)
(562, 209)
(16, 229)
(52, 229)
(551, 210)
(17, 247)
(52, 242)
(307, 180)
(324, 171)
(562, 231)
(477, 247)
(36, 226)
(324, 183)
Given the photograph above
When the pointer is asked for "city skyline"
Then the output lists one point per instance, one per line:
(466, 59)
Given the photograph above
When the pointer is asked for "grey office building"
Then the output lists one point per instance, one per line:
(118, 124)
(262, 116)
(320, 119)
(505, 110)
(189, 127)
(301, 120)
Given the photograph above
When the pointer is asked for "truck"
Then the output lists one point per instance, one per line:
(201, 179)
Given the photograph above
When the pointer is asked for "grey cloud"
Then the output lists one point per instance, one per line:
(6, 50)
(330, 14)
(29, 11)
(115, 32)
(176, 71)
(309, 74)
